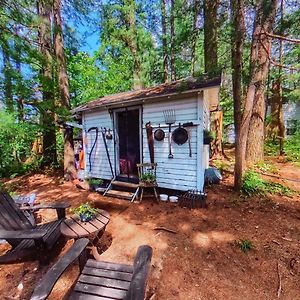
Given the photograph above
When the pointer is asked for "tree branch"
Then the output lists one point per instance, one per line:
(280, 37)
(275, 63)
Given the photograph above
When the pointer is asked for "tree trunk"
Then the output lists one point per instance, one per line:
(195, 35)
(63, 85)
(47, 113)
(210, 36)
(259, 67)
(217, 127)
(20, 100)
(281, 128)
(238, 35)
(8, 92)
(164, 40)
(172, 35)
(130, 19)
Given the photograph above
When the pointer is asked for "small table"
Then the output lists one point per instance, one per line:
(73, 228)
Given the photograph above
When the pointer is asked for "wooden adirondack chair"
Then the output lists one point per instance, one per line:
(17, 230)
(99, 280)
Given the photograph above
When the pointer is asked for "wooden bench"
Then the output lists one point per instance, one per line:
(19, 232)
(99, 280)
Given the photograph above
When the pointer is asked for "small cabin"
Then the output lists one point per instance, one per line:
(120, 131)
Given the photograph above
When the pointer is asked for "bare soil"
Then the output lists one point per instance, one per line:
(201, 261)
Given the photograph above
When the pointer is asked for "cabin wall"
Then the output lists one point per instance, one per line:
(99, 161)
(206, 125)
(181, 172)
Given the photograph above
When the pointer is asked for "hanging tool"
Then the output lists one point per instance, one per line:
(189, 124)
(149, 131)
(95, 142)
(170, 119)
(103, 131)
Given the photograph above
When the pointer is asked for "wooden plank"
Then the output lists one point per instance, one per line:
(109, 266)
(67, 231)
(10, 220)
(100, 291)
(102, 219)
(16, 212)
(78, 229)
(119, 194)
(141, 267)
(87, 225)
(20, 217)
(79, 296)
(104, 213)
(45, 286)
(22, 234)
(107, 273)
(125, 184)
(106, 282)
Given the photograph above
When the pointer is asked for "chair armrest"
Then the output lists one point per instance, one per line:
(23, 234)
(60, 208)
(46, 206)
(45, 286)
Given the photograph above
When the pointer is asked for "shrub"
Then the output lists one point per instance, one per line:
(16, 139)
(245, 245)
(254, 184)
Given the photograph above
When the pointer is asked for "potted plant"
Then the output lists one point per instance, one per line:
(94, 183)
(208, 137)
(148, 178)
(85, 212)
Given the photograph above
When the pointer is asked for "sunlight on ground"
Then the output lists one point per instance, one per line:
(206, 240)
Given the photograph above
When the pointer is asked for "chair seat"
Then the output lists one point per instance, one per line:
(103, 280)
(27, 245)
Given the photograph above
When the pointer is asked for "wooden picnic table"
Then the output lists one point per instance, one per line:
(74, 228)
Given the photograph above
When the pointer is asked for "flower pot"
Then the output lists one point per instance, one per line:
(85, 217)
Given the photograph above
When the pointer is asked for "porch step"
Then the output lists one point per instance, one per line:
(125, 184)
(119, 194)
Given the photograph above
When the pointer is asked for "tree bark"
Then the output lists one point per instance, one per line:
(48, 110)
(8, 88)
(164, 41)
(172, 36)
(132, 42)
(237, 38)
(210, 36)
(20, 100)
(259, 67)
(63, 85)
(195, 35)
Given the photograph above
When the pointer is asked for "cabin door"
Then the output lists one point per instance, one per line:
(129, 131)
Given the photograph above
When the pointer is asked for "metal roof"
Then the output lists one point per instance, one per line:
(185, 85)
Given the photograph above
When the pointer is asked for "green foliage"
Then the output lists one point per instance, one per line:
(255, 185)
(95, 181)
(267, 168)
(245, 245)
(148, 178)
(15, 145)
(85, 210)
(292, 148)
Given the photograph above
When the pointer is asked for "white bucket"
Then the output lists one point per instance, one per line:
(173, 199)
(163, 197)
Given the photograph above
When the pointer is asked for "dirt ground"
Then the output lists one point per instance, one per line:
(201, 261)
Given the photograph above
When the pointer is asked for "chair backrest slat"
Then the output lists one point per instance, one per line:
(141, 268)
(11, 217)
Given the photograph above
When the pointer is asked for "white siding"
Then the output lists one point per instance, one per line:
(99, 160)
(206, 125)
(180, 172)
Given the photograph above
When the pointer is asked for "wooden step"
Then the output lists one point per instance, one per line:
(125, 184)
(119, 194)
